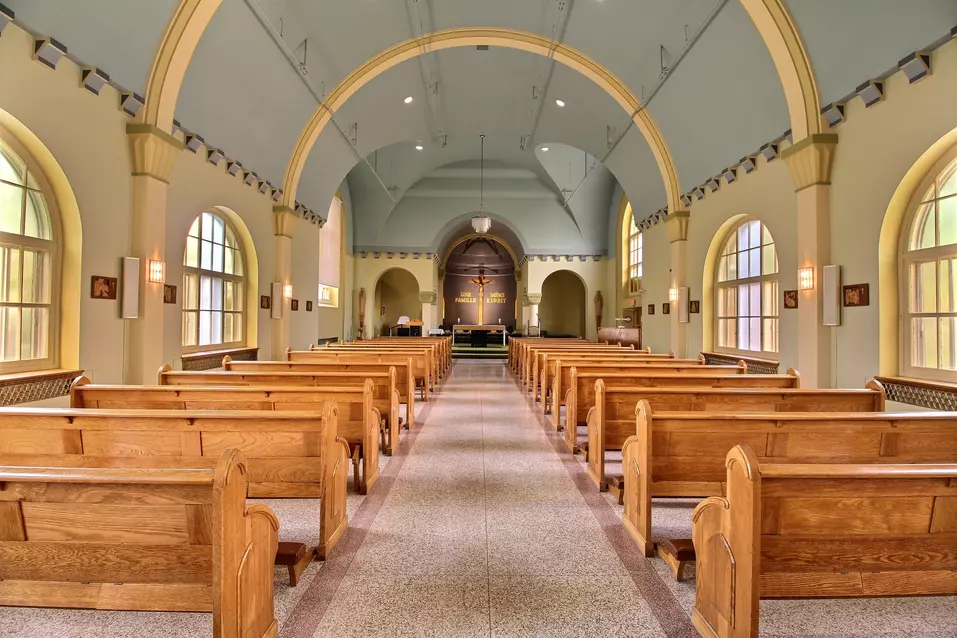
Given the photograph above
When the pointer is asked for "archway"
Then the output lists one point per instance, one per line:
(562, 311)
(396, 296)
(475, 258)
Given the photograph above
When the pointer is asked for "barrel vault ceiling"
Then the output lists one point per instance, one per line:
(263, 66)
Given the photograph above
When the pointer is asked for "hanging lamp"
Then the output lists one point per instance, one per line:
(481, 222)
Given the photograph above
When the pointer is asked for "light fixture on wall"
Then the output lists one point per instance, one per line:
(806, 278)
(834, 113)
(481, 222)
(915, 66)
(287, 291)
(48, 51)
(93, 79)
(6, 16)
(747, 164)
(871, 92)
(157, 271)
(672, 295)
(131, 103)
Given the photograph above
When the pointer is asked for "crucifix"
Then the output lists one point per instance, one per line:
(481, 282)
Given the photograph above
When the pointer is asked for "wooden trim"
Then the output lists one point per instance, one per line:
(920, 383)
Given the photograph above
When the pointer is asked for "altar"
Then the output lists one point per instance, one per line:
(478, 335)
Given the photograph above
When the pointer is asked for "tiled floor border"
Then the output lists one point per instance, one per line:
(308, 612)
(665, 607)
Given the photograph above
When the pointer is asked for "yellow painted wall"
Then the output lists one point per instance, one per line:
(398, 292)
(564, 306)
(593, 274)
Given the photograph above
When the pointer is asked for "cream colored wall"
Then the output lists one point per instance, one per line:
(655, 281)
(397, 292)
(304, 326)
(594, 274)
(369, 269)
(563, 304)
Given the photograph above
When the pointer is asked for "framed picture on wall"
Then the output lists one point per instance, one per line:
(103, 287)
(265, 302)
(694, 307)
(294, 305)
(666, 308)
(308, 306)
(651, 309)
(169, 294)
(857, 295)
(790, 299)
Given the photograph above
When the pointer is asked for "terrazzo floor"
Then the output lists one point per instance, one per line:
(482, 525)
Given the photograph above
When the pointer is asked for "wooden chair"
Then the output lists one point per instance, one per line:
(821, 531)
(683, 453)
(141, 537)
(288, 454)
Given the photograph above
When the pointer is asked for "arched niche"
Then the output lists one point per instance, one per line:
(564, 304)
(396, 295)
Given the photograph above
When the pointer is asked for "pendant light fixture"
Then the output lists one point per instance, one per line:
(481, 222)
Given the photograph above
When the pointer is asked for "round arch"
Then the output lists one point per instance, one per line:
(71, 239)
(461, 240)
(888, 274)
(400, 298)
(707, 279)
(563, 310)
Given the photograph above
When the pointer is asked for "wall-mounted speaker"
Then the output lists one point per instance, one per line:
(130, 294)
(831, 295)
(683, 302)
(277, 299)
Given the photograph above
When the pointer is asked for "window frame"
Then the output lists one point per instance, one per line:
(764, 278)
(634, 267)
(54, 248)
(907, 257)
(199, 272)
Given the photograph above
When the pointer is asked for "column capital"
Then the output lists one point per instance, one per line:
(677, 225)
(810, 160)
(153, 151)
(534, 298)
(427, 297)
(284, 220)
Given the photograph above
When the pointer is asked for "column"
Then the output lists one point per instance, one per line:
(534, 298)
(677, 224)
(284, 223)
(428, 307)
(153, 153)
(810, 161)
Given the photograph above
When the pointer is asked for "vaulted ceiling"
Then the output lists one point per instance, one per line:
(263, 66)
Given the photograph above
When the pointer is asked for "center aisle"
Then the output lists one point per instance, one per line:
(484, 531)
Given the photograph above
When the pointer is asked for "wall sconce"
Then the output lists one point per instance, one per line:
(806, 278)
(287, 291)
(157, 272)
(672, 295)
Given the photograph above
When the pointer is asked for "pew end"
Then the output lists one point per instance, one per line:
(792, 372)
(878, 387)
(226, 361)
(743, 365)
(161, 373)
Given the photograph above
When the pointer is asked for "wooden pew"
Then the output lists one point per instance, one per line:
(560, 379)
(522, 346)
(533, 356)
(580, 395)
(404, 385)
(683, 453)
(421, 360)
(444, 344)
(288, 454)
(434, 361)
(145, 537)
(821, 531)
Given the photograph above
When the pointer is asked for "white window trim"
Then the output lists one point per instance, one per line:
(201, 272)
(54, 248)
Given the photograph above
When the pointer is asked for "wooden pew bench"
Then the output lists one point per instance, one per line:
(288, 454)
(522, 346)
(532, 355)
(443, 344)
(682, 454)
(580, 395)
(424, 359)
(138, 538)
(418, 361)
(821, 531)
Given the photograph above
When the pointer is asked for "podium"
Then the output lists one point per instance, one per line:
(410, 329)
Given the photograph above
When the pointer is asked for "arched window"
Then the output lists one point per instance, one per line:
(213, 284)
(29, 264)
(930, 270)
(635, 247)
(747, 291)
(330, 256)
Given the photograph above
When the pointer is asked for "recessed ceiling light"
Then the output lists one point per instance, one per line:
(408, 100)
(544, 149)
(419, 147)
(560, 103)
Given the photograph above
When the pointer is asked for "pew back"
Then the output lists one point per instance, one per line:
(420, 361)
(821, 530)
(425, 358)
(138, 537)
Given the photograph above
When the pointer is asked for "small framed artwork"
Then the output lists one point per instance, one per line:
(651, 309)
(265, 302)
(169, 294)
(857, 295)
(308, 306)
(294, 305)
(103, 287)
(666, 308)
(790, 299)
(694, 307)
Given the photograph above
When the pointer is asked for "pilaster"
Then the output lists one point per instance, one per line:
(678, 223)
(284, 221)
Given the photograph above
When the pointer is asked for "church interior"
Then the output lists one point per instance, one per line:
(457, 318)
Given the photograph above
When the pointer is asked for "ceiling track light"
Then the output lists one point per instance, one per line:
(769, 151)
(6, 16)
(871, 92)
(49, 51)
(915, 66)
(131, 103)
(560, 103)
(250, 177)
(214, 156)
(194, 142)
(93, 79)
(729, 174)
(713, 184)
(834, 113)
(233, 167)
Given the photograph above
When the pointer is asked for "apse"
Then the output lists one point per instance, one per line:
(480, 286)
